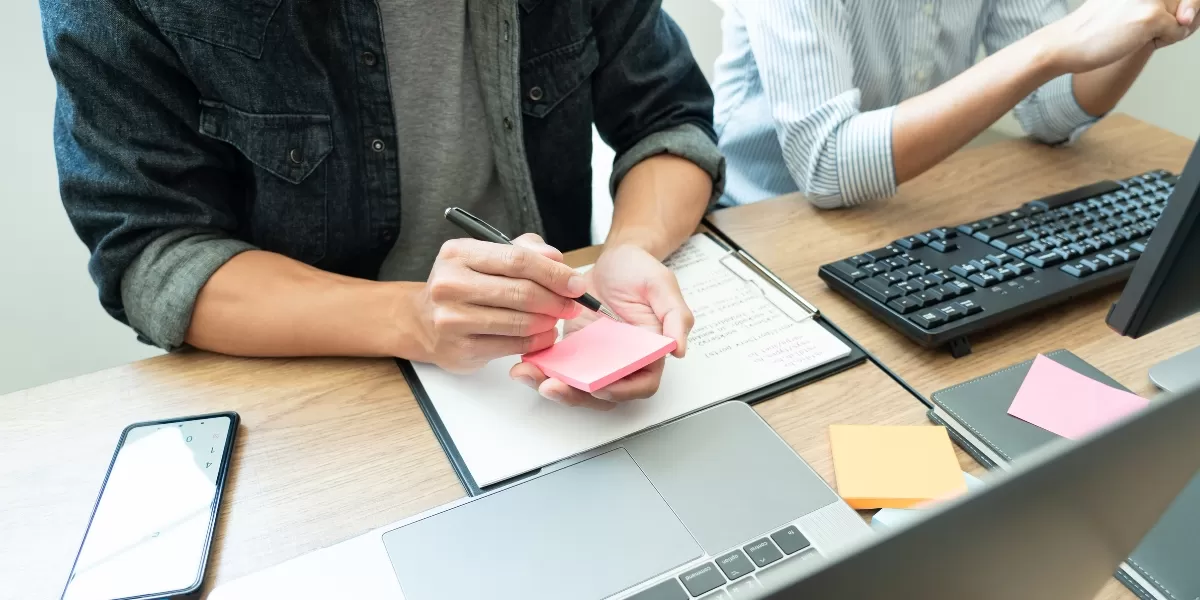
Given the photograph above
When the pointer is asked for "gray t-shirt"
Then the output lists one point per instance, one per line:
(445, 152)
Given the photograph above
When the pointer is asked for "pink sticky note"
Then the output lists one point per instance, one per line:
(600, 354)
(1066, 403)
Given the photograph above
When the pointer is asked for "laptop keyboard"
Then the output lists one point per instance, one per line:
(737, 574)
(942, 284)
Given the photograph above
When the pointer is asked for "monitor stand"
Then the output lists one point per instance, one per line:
(1178, 372)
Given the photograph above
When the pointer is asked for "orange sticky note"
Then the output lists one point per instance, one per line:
(885, 466)
(600, 354)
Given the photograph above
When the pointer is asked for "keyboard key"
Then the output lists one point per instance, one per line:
(859, 260)
(969, 307)
(1112, 258)
(963, 288)
(873, 270)
(667, 590)
(1007, 242)
(996, 221)
(1078, 248)
(1077, 269)
(925, 238)
(1048, 259)
(1001, 259)
(928, 319)
(744, 589)
(1070, 251)
(925, 298)
(1023, 250)
(909, 243)
(943, 233)
(983, 264)
(998, 231)
(969, 228)
(735, 565)
(943, 246)
(882, 253)
(892, 278)
(790, 540)
(1096, 265)
(895, 263)
(1126, 254)
(966, 270)
(702, 579)
(790, 570)
(1093, 245)
(909, 287)
(949, 290)
(984, 279)
(916, 270)
(952, 312)
(878, 290)
(763, 552)
(1001, 276)
(1020, 268)
(936, 294)
(1139, 246)
(845, 270)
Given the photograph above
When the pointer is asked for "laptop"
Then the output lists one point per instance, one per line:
(716, 505)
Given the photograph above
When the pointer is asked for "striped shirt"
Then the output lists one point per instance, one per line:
(806, 89)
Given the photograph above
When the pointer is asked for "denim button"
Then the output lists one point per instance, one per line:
(535, 93)
(295, 156)
(368, 58)
(377, 145)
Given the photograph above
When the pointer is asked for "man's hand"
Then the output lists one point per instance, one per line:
(643, 292)
(1102, 32)
(484, 301)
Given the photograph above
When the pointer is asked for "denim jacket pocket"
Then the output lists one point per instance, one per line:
(288, 207)
(239, 25)
(552, 77)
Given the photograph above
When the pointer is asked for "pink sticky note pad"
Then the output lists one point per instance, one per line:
(1066, 403)
(600, 354)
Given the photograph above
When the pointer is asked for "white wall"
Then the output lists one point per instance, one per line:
(51, 324)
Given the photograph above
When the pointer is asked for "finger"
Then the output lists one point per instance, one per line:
(528, 374)
(517, 262)
(1185, 13)
(635, 386)
(557, 391)
(475, 351)
(521, 295)
(1167, 30)
(667, 303)
(484, 320)
(535, 242)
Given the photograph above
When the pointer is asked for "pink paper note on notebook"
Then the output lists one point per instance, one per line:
(600, 354)
(1066, 403)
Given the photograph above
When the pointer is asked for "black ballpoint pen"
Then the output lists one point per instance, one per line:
(480, 230)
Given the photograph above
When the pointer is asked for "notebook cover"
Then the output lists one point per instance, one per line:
(856, 356)
(1166, 556)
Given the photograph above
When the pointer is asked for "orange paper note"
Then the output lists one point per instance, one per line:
(882, 466)
(600, 353)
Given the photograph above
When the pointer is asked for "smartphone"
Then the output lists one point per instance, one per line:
(152, 525)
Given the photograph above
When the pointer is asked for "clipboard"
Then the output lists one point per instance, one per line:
(739, 262)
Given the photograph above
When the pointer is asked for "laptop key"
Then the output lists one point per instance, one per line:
(790, 540)
(745, 588)
(667, 590)
(718, 595)
(790, 569)
(763, 552)
(735, 564)
(702, 579)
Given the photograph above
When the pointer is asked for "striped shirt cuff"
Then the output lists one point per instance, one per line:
(1054, 115)
(865, 169)
(685, 141)
(159, 289)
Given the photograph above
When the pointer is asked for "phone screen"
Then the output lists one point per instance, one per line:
(150, 529)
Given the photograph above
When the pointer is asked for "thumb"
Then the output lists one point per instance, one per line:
(668, 305)
(1185, 14)
(1166, 29)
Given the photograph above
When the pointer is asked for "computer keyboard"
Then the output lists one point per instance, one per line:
(941, 285)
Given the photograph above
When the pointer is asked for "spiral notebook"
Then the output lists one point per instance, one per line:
(753, 339)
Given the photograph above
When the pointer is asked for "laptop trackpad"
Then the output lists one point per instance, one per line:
(586, 531)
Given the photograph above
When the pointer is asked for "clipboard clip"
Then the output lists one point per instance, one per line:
(742, 264)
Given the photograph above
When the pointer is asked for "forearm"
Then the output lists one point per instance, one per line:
(265, 304)
(1098, 91)
(659, 203)
(930, 127)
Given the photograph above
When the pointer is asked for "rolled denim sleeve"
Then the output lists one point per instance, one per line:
(144, 192)
(1051, 114)
(650, 96)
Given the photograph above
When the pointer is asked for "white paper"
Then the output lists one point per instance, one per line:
(741, 341)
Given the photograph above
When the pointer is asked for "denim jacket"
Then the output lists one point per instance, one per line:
(187, 131)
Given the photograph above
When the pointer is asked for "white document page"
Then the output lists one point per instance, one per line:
(742, 340)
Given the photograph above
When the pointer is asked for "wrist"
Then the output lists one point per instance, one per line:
(400, 330)
(1044, 53)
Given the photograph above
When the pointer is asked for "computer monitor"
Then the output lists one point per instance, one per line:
(1164, 287)
(1055, 527)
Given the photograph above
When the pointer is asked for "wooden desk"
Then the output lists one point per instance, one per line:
(793, 240)
(328, 449)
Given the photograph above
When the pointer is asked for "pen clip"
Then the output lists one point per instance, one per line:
(481, 223)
